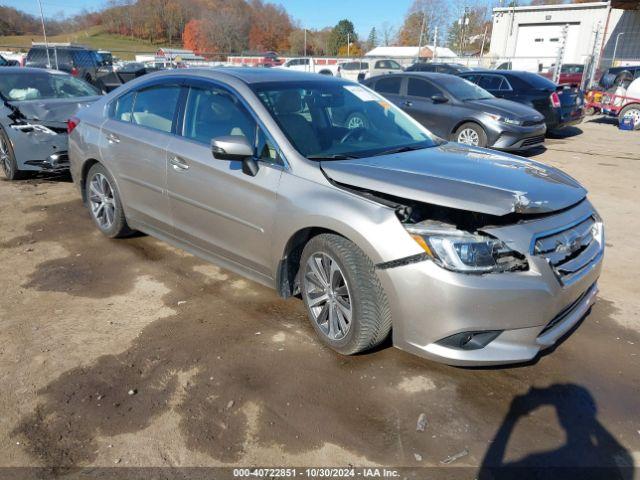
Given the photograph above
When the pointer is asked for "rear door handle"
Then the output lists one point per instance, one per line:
(112, 138)
(179, 164)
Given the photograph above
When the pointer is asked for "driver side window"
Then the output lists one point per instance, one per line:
(213, 112)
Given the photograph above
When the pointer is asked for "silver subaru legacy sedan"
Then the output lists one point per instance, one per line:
(468, 256)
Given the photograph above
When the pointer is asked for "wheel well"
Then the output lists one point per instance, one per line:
(325, 72)
(459, 124)
(289, 265)
(83, 177)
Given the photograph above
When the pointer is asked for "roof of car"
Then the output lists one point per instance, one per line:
(498, 72)
(252, 75)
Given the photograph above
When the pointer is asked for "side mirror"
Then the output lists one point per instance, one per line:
(439, 99)
(235, 147)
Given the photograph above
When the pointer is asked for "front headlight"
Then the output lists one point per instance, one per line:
(465, 252)
(507, 120)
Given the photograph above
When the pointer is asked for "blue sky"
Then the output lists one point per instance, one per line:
(310, 13)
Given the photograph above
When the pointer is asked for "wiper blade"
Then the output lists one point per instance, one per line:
(334, 156)
(406, 148)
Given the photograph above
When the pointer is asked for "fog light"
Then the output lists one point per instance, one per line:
(470, 340)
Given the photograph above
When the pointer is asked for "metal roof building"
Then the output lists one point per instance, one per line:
(535, 33)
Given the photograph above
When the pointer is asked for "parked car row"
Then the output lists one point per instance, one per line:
(466, 256)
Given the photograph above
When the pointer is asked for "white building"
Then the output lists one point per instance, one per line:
(408, 54)
(533, 34)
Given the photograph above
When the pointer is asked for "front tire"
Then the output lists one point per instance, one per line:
(471, 134)
(8, 162)
(345, 301)
(104, 203)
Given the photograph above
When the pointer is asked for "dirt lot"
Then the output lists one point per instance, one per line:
(223, 372)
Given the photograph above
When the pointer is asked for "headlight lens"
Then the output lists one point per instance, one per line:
(507, 120)
(465, 252)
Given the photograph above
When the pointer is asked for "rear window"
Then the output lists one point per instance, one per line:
(537, 81)
(57, 57)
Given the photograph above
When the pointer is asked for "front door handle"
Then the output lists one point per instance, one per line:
(113, 138)
(408, 103)
(179, 164)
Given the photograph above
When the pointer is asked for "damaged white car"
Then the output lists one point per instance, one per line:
(36, 105)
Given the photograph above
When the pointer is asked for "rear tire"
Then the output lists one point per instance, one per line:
(471, 134)
(105, 206)
(345, 301)
(8, 163)
(635, 109)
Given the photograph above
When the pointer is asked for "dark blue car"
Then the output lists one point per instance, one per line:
(561, 105)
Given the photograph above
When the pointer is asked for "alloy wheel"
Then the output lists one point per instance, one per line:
(102, 201)
(327, 296)
(355, 122)
(468, 136)
(4, 157)
(635, 114)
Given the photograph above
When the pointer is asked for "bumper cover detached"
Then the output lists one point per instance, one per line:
(58, 162)
(515, 315)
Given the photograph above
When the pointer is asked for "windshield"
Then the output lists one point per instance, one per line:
(45, 85)
(337, 120)
(465, 90)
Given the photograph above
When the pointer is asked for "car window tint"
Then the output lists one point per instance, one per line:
(389, 84)
(421, 88)
(393, 65)
(121, 108)
(155, 107)
(490, 82)
(212, 113)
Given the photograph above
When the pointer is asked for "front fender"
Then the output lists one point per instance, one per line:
(373, 227)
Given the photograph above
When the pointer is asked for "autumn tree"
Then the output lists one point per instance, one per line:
(270, 27)
(343, 33)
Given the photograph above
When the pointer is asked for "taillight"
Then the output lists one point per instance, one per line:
(555, 100)
(72, 123)
(74, 72)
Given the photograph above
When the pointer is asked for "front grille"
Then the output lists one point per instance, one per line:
(533, 140)
(531, 123)
(572, 250)
(564, 313)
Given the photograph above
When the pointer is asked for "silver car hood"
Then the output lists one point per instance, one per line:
(53, 112)
(465, 178)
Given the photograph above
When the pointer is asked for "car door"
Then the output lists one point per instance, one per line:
(134, 140)
(418, 103)
(214, 205)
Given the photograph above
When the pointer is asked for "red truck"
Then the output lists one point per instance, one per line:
(570, 73)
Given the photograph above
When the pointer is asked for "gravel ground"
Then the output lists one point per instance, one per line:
(133, 353)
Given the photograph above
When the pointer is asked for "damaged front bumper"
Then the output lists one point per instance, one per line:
(40, 148)
(512, 315)
(57, 162)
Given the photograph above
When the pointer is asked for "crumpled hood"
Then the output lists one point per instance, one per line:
(505, 108)
(465, 178)
(52, 112)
